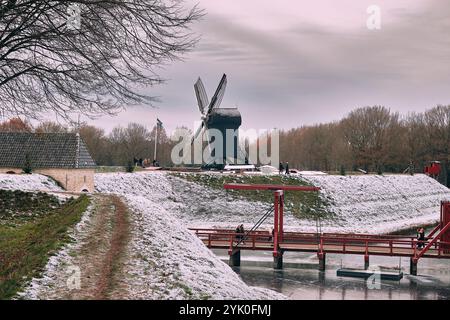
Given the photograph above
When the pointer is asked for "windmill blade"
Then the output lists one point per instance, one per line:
(197, 132)
(202, 97)
(218, 95)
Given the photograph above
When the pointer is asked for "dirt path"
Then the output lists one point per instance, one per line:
(97, 257)
(101, 252)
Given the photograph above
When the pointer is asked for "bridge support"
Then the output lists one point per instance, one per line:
(322, 258)
(413, 267)
(366, 262)
(278, 261)
(235, 258)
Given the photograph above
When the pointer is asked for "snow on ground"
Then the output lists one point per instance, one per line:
(170, 262)
(60, 266)
(28, 182)
(362, 203)
(382, 204)
(194, 204)
(312, 173)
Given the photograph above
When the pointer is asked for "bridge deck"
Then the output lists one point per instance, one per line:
(327, 243)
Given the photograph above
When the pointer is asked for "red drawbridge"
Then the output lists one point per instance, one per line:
(436, 245)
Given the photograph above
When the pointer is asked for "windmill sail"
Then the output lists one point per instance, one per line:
(218, 95)
(202, 97)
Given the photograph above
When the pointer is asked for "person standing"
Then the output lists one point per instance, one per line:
(242, 232)
(281, 168)
(287, 167)
(237, 232)
(421, 238)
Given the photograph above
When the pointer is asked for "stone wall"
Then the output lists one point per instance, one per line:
(76, 180)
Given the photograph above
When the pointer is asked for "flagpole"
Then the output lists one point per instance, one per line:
(156, 139)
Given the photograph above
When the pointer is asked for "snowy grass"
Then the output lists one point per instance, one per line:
(382, 204)
(25, 249)
(167, 260)
(170, 262)
(18, 207)
(54, 276)
(359, 203)
(302, 205)
(28, 182)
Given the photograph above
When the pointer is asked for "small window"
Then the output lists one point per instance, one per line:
(10, 172)
(85, 190)
(84, 179)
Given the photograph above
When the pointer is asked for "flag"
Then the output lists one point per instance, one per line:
(159, 123)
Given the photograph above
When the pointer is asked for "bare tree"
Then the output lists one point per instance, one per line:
(366, 132)
(16, 125)
(50, 127)
(97, 143)
(96, 67)
(437, 135)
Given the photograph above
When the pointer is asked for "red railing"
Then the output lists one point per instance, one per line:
(435, 240)
(327, 242)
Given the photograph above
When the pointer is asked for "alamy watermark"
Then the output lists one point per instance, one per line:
(74, 277)
(220, 146)
(373, 22)
(374, 281)
(73, 16)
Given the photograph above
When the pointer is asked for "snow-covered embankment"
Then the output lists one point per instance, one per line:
(28, 182)
(166, 260)
(381, 204)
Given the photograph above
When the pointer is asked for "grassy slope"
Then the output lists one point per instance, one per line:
(18, 207)
(26, 248)
(307, 205)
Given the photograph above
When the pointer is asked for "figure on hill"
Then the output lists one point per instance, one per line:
(287, 167)
(242, 232)
(155, 163)
(421, 238)
(281, 168)
(238, 236)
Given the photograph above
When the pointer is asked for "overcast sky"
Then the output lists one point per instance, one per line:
(299, 62)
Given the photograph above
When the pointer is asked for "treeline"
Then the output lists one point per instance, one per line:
(117, 148)
(372, 139)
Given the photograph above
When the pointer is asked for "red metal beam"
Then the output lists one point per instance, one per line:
(273, 187)
(428, 246)
(275, 223)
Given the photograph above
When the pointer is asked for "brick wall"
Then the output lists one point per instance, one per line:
(75, 180)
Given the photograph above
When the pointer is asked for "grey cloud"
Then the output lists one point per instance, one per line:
(308, 73)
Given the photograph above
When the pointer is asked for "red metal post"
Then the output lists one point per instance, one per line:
(281, 204)
(275, 224)
(273, 187)
(254, 240)
(366, 254)
(445, 220)
(230, 251)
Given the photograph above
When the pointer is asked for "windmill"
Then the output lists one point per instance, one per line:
(213, 117)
